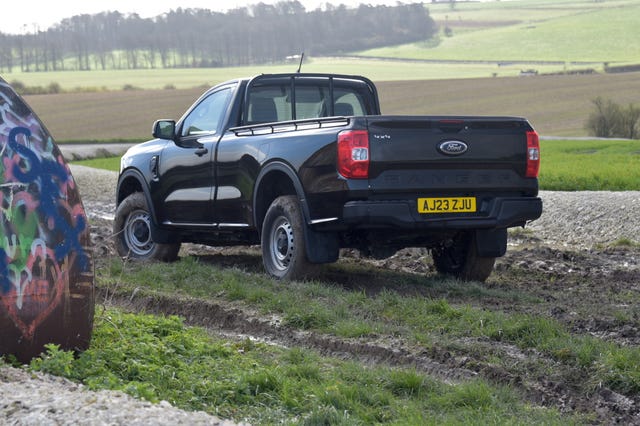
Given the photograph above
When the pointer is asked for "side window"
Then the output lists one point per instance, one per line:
(268, 104)
(271, 103)
(207, 116)
(311, 101)
(348, 103)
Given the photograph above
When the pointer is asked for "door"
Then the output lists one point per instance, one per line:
(187, 179)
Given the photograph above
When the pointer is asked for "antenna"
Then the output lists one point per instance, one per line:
(300, 66)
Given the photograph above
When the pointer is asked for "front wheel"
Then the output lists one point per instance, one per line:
(460, 259)
(283, 246)
(132, 230)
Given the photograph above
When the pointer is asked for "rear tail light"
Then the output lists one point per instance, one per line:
(353, 154)
(533, 155)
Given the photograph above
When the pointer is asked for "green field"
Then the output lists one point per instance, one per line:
(590, 165)
(376, 69)
(565, 31)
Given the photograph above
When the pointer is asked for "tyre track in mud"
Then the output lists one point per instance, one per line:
(561, 388)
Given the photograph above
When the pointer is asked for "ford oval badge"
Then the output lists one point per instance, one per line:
(452, 147)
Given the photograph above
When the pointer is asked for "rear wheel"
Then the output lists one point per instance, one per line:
(283, 246)
(132, 230)
(460, 259)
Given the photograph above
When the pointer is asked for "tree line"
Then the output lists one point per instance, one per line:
(181, 38)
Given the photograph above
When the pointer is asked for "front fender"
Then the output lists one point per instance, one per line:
(132, 180)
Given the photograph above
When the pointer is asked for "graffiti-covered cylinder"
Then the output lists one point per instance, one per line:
(46, 267)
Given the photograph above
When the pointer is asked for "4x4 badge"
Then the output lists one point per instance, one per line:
(452, 147)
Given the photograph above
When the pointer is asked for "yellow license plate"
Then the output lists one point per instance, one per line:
(447, 205)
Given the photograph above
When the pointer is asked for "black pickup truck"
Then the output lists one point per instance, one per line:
(304, 165)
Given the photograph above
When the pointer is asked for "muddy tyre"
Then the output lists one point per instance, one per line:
(461, 260)
(283, 246)
(132, 230)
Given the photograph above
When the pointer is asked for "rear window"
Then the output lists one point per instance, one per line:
(307, 98)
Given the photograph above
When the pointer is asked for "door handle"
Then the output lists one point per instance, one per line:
(201, 151)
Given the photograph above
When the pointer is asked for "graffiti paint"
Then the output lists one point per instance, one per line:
(46, 265)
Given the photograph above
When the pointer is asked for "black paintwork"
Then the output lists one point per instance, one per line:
(215, 188)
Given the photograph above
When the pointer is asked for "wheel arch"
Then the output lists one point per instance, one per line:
(276, 179)
(131, 181)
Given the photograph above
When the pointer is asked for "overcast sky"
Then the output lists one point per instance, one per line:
(20, 16)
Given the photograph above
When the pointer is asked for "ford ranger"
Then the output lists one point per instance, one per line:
(305, 164)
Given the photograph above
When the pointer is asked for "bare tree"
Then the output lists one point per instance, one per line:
(611, 120)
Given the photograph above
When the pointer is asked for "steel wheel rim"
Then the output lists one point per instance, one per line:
(281, 243)
(137, 233)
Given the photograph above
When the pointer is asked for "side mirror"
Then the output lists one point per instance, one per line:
(164, 129)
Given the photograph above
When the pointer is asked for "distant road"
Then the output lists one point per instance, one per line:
(79, 151)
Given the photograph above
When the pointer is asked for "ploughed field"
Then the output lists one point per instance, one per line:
(577, 266)
(556, 105)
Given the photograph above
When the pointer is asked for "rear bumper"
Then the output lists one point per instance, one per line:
(500, 212)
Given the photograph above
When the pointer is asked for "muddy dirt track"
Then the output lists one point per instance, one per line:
(564, 267)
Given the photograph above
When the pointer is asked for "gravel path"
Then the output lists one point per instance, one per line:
(587, 218)
(571, 219)
(44, 400)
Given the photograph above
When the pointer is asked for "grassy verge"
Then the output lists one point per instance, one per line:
(159, 358)
(105, 163)
(594, 165)
(567, 165)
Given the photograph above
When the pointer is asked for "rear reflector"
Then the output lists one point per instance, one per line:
(533, 154)
(353, 154)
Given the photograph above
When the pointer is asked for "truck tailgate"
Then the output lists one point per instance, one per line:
(448, 154)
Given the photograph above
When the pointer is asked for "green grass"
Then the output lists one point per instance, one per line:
(590, 165)
(159, 358)
(567, 165)
(106, 163)
(157, 79)
(471, 14)
(563, 31)
(427, 320)
(625, 243)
